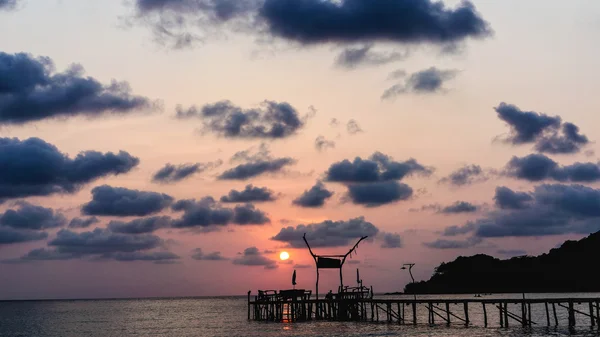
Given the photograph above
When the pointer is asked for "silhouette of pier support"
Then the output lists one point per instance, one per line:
(298, 307)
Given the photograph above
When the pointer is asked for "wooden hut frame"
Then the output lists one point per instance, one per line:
(330, 261)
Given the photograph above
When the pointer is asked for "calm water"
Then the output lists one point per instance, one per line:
(226, 316)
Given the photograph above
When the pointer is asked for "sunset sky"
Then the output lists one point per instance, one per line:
(176, 147)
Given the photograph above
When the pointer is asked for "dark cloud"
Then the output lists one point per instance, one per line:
(33, 167)
(140, 226)
(174, 173)
(322, 144)
(353, 57)
(33, 217)
(459, 207)
(302, 266)
(466, 175)
(422, 82)
(102, 241)
(349, 21)
(7, 4)
(272, 120)
(537, 167)
(83, 222)
(459, 230)
(184, 22)
(255, 167)
(353, 128)
(9, 235)
(31, 91)
(506, 198)
(334, 123)
(551, 209)
(206, 214)
(198, 254)
(313, 197)
(512, 252)
(253, 257)
(549, 133)
(327, 233)
(378, 167)
(157, 257)
(120, 201)
(454, 244)
(45, 254)
(391, 240)
(249, 194)
(378, 193)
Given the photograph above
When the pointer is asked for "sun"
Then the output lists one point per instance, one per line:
(284, 255)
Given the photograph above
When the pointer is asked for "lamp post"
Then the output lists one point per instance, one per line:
(410, 265)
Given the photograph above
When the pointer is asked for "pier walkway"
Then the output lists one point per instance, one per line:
(358, 304)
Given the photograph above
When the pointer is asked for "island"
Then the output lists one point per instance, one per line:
(572, 267)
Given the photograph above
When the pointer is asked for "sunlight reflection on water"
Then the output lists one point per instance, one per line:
(224, 317)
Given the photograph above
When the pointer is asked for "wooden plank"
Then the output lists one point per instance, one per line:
(485, 322)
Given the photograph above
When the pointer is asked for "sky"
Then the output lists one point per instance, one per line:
(176, 147)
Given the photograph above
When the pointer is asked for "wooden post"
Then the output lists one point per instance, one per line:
(447, 313)
(554, 312)
(317, 286)
(485, 323)
(399, 313)
(249, 291)
(571, 314)
(501, 315)
(389, 312)
(523, 312)
(466, 306)
(598, 313)
(506, 314)
(431, 319)
(529, 313)
(593, 321)
(414, 310)
(547, 313)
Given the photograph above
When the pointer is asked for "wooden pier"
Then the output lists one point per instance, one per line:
(359, 305)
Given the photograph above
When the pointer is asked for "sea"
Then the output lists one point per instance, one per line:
(227, 317)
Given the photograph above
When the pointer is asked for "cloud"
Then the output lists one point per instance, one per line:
(322, 144)
(327, 233)
(454, 244)
(350, 21)
(249, 194)
(549, 133)
(353, 128)
(512, 252)
(140, 226)
(32, 217)
(459, 230)
(379, 167)
(7, 4)
(32, 91)
(255, 165)
(466, 175)
(44, 254)
(538, 167)
(208, 215)
(302, 266)
(10, 236)
(391, 240)
(198, 254)
(426, 81)
(272, 120)
(506, 198)
(459, 207)
(550, 209)
(33, 167)
(102, 241)
(313, 197)
(83, 222)
(120, 201)
(253, 257)
(378, 193)
(353, 57)
(174, 173)
(156, 257)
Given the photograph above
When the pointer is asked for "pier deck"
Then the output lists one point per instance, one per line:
(489, 311)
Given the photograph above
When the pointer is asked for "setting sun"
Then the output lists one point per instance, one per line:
(284, 255)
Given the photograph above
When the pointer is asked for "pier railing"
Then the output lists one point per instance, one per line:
(495, 312)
